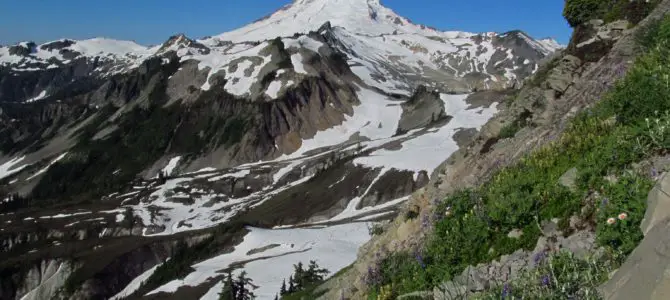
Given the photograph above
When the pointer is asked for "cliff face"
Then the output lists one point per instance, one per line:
(569, 82)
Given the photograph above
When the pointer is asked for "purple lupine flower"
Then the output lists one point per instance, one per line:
(546, 280)
(654, 172)
(539, 257)
(507, 291)
(605, 201)
(419, 259)
(425, 221)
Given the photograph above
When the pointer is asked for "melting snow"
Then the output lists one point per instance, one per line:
(332, 247)
(41, 96)
(62, 216)
(428, 151)
(296, 60)
(273, 89)
(171, 165)
(9, 168)
(47, 167)
(135, 284)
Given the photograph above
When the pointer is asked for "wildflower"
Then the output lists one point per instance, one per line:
(425, 221)
(419, 259)
(507, 291)
(654, 172)
(539, 257)
(623, 216)
(605, 201)
(546, 280)
(611, 221)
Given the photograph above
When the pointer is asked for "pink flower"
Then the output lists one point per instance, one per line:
(623, 216)
(611, 221)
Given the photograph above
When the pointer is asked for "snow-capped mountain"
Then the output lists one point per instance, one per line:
(325, 115)
(364, 17)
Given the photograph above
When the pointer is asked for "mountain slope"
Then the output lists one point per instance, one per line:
(116, 156)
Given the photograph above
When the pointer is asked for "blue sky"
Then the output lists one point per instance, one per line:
(153, 21)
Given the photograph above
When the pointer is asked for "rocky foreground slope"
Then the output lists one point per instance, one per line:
(129, 171)
(575, 80)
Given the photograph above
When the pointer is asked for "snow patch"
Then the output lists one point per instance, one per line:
(9, 168)
(332, 247)
(42, 95)
(42, 171)
(427, 151)
(135, 284)
(172, 164)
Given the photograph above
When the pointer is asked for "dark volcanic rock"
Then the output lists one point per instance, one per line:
(22, 50)
(57, 45)
(422, 109)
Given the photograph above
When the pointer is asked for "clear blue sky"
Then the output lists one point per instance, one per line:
(153, 21)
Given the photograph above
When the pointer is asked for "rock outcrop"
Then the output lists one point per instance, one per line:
(422, 109)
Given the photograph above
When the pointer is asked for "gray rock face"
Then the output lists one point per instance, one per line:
(568, 179)
(561, 77)
(644, 274)
(658, 204)
(595, 38)
(22, 49)
(422, 109)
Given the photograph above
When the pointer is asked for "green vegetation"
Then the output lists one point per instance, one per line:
(561, 276)
(376, 229)
(510, 130)
(577, 12)
(303, 282)
(471, 226)
(237, 289)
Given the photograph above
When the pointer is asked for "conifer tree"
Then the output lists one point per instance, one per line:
(314, 273)
(291, 285)
(229, 291)
(299, 276)
(243, 285)
(282, 290)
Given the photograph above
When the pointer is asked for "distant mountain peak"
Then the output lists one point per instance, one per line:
(364, 17)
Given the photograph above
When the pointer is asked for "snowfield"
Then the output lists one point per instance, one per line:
(332, 247)
(426, 152)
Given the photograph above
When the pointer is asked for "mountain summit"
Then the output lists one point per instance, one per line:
(365, 17)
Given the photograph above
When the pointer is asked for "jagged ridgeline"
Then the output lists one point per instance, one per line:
(131, 171)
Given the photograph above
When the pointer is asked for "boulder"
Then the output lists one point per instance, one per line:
(568, 179)
(644, 275)
(658, 204)
(562, 76)
(422, 109)
(515, 234)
